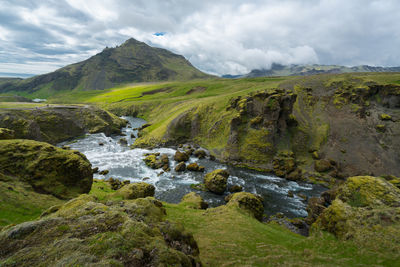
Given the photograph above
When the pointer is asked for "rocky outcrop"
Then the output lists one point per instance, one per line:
(55, 124)
(362, 205)
(194, 201)
(6, 134)
(48, 169)
(86, 232)
(136, 190)
(157, 161)
(216, 181)
(248, 202)
(261, 121)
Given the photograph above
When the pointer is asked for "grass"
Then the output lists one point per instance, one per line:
(18, 105)
(229, 237)
(19, 203)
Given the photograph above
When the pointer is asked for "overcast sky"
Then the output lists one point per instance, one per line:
(217, 36)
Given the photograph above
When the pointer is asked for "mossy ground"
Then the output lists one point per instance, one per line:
(20, 203)
(230, 237)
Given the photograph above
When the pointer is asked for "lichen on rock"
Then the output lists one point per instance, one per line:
(248, 202)
(85, 232)
(136, 190)
(48, 169)
(216, 181)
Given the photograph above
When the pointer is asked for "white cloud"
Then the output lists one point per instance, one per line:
(216, 36)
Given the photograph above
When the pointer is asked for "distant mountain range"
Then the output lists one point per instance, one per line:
(133, 61)
(305, 70)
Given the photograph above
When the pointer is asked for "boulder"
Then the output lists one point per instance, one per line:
(6, 134)
(123, 142)
(195, 167)
(104, 172)
(284, 163)
(153, 161)
(180, 167)
(86, 232)
(235, 188)
(194, 201)
(216, 181)
(181, 156)
(363, 204)
(136, 190)
(200, 153)
(117, 184)
(248, 202)
(48, 169)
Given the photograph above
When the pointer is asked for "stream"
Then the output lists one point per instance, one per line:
(127, 164)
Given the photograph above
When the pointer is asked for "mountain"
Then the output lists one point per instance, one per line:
(305, 70)
(133, 61)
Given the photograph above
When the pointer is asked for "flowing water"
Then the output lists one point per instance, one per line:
(127, 164)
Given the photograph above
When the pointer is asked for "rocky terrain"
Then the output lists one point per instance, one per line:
(54, 124)
(337, 130)
(323, 128)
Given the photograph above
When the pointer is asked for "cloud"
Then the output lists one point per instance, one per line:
(218, 37)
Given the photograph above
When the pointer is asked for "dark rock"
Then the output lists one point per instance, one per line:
(235, 188)
(200, 153)
(123, 141)
(95, 170)
(181, 156)
(104, 172)
(180, 167)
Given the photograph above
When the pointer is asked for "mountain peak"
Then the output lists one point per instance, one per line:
(133, 61)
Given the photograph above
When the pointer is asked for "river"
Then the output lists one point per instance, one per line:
(127, 164)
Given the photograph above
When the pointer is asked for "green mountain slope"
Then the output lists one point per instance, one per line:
(133, 61)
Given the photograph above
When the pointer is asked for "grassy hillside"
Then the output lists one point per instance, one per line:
(228, 236)
(317, 128)
(133, 61)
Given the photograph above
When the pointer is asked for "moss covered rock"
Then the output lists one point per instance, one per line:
(200, 153)
(181, 156)
(216, 181)
(284, 163)
(84, 232)
(248, 202)
(195, 201)
(6, 134)
(322, 165)
(180, 167)
(57, 124)
(195, 167)
(136, 190)
(48, 169)
(364, 205)
(363, 191)
(157, 161)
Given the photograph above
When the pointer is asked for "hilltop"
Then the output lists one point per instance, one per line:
(131, 62)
